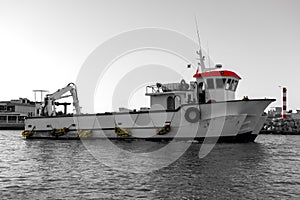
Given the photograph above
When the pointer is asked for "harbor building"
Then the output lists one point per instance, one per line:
(13, 112)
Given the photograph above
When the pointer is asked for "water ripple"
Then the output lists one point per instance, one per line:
(48, 169)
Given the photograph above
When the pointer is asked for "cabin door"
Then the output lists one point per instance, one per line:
(170, 103)
(201, 90)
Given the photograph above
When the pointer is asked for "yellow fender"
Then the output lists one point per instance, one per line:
(122, 132)
(86, 134)
(59, 132)
(166, 129)
(27, 133)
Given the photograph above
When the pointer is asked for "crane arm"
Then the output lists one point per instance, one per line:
(51, 98)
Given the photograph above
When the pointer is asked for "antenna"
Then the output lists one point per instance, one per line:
(208, 55)
(201, 57)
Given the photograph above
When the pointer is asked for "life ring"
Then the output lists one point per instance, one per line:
(192, 115)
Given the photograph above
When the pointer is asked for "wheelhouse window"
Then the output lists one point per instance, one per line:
(231, 84)
(234, 85)
(210, 83)
(220, 83)
(228, 83)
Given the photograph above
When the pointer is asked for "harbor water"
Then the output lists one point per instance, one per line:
(61, 169)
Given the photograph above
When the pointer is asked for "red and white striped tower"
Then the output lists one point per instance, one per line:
(284, 103)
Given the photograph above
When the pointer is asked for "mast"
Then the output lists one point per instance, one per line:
(199, 52)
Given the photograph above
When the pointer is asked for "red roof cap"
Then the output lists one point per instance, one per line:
(225, 73)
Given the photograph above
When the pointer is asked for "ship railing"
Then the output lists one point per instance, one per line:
(168, 87)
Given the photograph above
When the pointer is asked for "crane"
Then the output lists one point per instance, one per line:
(49, 102)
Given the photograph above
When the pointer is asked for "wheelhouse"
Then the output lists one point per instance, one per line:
(217, 85)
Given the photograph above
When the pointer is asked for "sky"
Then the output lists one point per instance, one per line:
(44, 43)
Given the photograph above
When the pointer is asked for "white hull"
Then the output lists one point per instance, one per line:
(231, 119)
(260, 124)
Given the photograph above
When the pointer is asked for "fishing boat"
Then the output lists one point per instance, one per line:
(206, 108)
